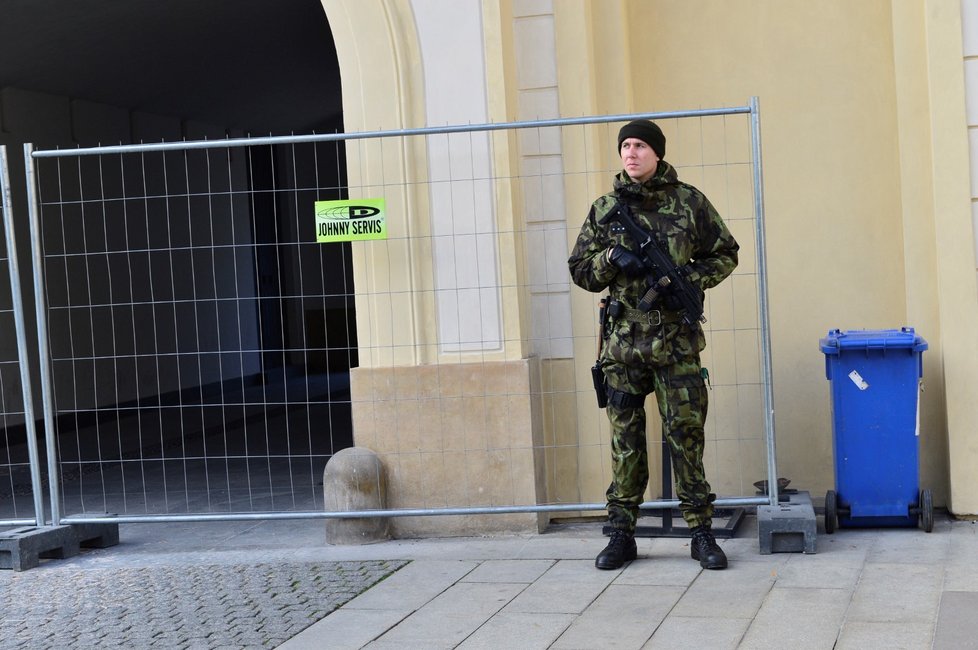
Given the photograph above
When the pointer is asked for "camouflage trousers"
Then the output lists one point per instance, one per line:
(680, 392)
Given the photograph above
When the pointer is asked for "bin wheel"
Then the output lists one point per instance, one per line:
(926, 511)
(831, 512)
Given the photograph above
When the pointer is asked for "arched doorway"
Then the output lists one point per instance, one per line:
(125, 73)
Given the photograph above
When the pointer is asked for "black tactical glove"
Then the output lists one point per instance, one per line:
(627, 261)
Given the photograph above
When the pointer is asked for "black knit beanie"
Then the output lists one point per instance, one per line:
(646, 131)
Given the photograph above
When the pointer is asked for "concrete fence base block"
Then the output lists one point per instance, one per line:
(354, 480)
(788, 527)
(22, 548)
(96, 535)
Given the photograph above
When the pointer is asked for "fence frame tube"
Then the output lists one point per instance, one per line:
(730, 502)
(767, 374)
(19, 326)
(398, 133)
(44, 353)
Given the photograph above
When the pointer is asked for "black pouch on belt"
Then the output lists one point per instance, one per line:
(597, 376)
(600, 389)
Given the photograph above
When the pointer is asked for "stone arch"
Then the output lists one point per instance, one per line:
(381, 79)
(409, 65)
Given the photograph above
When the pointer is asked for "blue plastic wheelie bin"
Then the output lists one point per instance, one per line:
(875, 377)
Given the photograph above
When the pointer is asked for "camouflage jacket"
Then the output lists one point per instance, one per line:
(682, 219)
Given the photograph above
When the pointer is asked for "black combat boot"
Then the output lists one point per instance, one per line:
(703, 547)
(620, 549)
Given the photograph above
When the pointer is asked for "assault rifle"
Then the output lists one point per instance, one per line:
(664, 275)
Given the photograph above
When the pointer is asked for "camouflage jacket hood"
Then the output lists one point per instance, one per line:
(626, 188)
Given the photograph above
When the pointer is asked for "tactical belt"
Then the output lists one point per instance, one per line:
(618, 311)
(622, 400)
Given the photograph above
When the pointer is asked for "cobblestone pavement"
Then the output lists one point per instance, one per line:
(186, 606)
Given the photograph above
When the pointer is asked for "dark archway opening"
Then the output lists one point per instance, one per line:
(159, 413)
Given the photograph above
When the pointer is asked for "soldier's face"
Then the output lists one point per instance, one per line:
(638, 158)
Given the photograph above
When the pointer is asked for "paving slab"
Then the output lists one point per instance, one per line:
(957, 622)
(479, 598)
(661, 571)
(421, 581)
(828, 571)
(734, 593)
(429, 630)
(569, 587)
(798, 618)
(859, 635)
(962, 577)
(911, 546)
(534, 631)
(585, 543)
(897, 593)
(962, 543)
(345, 629)
(623, 616)
(525, 571)
(684, 633)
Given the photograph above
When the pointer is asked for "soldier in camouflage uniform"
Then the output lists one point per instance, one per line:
(653, 352)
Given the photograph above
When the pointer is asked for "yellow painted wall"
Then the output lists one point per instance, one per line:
(865, 172)
(954, 244)
(866, 180)
(823, 73)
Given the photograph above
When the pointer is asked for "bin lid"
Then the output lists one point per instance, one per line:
(902, 339)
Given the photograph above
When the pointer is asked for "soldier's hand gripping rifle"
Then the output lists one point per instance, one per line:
(664, 275)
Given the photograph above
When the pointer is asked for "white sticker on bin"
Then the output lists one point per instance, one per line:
(858, 380)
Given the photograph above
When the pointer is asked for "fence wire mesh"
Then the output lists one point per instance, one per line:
(202, 343)
(188, 313)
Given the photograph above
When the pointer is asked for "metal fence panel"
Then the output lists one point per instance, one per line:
(186, 317)
(21, 499)
(200, 340)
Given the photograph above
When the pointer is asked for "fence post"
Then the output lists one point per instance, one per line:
(44, 356)
(18, 309)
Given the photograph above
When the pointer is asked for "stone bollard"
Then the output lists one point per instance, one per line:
(354, 480)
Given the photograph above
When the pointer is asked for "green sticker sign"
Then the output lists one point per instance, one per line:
(350, 220)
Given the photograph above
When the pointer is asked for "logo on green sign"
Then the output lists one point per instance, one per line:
(350, 220)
